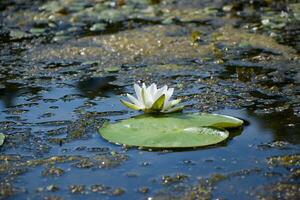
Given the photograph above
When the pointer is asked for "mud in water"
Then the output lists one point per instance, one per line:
(64, 65)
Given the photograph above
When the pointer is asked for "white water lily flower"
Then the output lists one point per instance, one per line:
(152, 100)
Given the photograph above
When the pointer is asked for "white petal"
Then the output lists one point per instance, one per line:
(147, 96)
(160, 92)
(138, 92)
(152, 89)
(134, 100)
(171, 104)
(148, 92)
(168, 94)
(155, 88)
(166, 104)
(148, 99)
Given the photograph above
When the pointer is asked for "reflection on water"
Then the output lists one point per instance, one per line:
(269, 107)
(98, 86)
(243, 71)
(10, 91)
(284, 125)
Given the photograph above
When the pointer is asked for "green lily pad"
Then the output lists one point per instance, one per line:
(170, 131)
(112, 69)
(37, 31)
(2, 137)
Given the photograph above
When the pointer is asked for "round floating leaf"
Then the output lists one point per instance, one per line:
(2, 137)
(170, 131)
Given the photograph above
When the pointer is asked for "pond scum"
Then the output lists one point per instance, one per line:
(65, 64)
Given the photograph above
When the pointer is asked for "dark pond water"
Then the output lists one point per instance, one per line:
(36, 117)
(64, 66)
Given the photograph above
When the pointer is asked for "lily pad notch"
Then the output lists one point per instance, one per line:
(170, 130)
